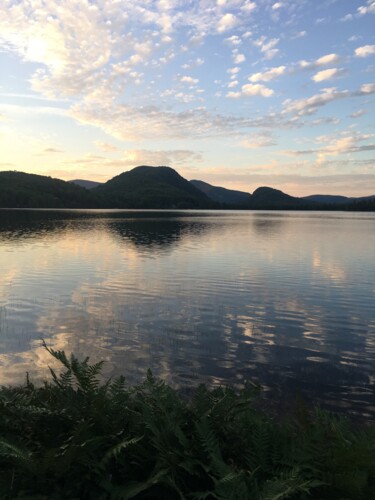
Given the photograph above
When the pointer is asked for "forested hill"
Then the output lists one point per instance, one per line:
(156, 188)
(152, 187)
(20, 190)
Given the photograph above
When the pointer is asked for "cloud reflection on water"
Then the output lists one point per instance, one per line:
(196, 297)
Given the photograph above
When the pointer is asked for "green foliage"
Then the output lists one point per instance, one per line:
(80, 437)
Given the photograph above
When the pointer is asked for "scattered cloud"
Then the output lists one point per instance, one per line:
(359, 113)
(239, 58)
(227, 22)
(189, 80)
(261, 140)
(268, 75)
(321, 61)
(326, 74)
(267, 46)
(250, 89)
(365, 51)
(366, 9)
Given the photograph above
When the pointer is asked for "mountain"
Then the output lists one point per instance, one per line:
(222, 195)
(85, 184)
(333, 199)
(263, 198)
(156, 187)
(20, 190)
(269, 198)
(151, 187)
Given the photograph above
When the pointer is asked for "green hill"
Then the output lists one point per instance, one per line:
(151, 187)
(20, 190)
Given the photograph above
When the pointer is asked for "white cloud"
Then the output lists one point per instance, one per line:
(239, 58)
(233, 40)
(227, 22)
(365, 51)
(256, 90)
(369, 9)
(267, 46)
(357, 114)
(234, 95)
(233, 71)
(367, 88)
(268, 75)
(248, 6)
(348, 143)
(277, 6)
(326, 74)
(299, 34)
(321, 61)
(189, 80)
(347, 17)
(308, 106)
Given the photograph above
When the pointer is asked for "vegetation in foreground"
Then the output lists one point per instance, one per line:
(77, 438)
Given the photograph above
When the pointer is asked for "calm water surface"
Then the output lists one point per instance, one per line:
(283, 298)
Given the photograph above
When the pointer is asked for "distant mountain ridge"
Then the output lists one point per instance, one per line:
(86, 184)
(328, 198)
(147, 187)
(223, 195)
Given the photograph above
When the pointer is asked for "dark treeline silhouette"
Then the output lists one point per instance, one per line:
(148, 187)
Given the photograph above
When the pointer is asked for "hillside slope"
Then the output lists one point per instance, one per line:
(151, 187)
(21, 190)
(229, 197)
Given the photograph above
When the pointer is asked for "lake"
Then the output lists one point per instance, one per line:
(284, 299)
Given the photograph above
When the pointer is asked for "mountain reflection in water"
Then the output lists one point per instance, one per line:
(282, 298)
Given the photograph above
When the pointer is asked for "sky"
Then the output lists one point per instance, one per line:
(236, 93)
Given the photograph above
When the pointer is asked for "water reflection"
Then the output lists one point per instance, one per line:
(196, 297)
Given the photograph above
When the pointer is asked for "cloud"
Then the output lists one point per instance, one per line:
(347, 17)
(239, 58)
(134, 157)
(321, 61)
(299, 34)
(326, 74)
(249, 90)
(310, 105)
(260, 140)
(357, 114)
(189, 79)
(52, 150)
(268, 75)
(369, 9)
(277, 6)
(248, 6)
(106, 147)
(365, 51)
(227, 22)
(267, 46)
(129, 123)
(367, 88)
(233, 40)
(349, 142)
